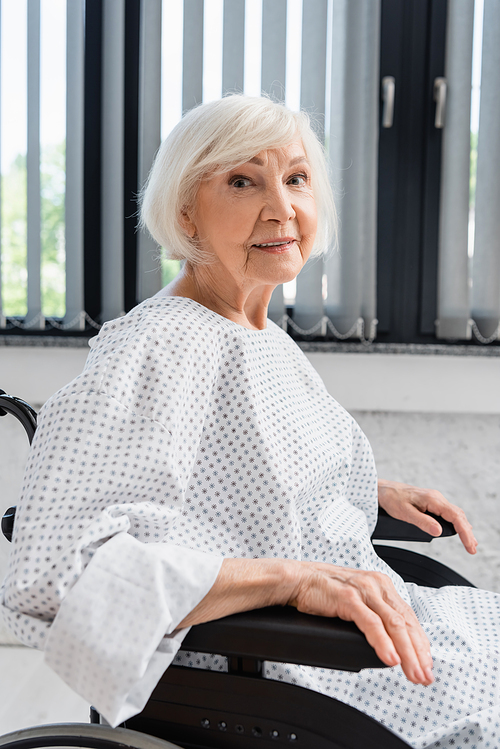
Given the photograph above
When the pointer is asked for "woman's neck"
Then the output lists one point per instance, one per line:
(246, 305)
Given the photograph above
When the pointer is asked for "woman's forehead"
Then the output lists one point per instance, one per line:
(289, 154)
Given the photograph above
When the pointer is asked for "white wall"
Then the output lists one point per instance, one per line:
(362, 382)
(412, 382)
(35, 373)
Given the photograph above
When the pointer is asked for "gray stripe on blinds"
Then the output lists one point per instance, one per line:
(453, 273)
(353, 149)
(313, 73)
(486, 263)
(273, 72)
(148, 274)
(192, 55)
(33, 317)
(74, 163)
(112, 269)
(309, 300)
(233, 46)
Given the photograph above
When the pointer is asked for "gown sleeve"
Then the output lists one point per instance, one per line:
(92, 580)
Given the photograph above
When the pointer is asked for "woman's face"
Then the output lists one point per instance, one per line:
(258, 221)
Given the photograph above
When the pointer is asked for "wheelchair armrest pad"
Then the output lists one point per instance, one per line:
(390, 529)
(281, 633)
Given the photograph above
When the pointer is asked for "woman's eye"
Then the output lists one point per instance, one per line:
(240, 182)
(298, 179)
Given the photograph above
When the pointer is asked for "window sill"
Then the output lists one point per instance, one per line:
(420, 349)
(317, 347)
(45, 341)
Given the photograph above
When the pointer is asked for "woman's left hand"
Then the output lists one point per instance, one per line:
(409, 503)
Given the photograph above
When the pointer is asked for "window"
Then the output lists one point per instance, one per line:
(71, 258)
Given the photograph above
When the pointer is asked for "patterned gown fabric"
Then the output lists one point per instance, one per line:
(187, 439)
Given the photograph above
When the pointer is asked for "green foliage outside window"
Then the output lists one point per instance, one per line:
(14, 235)
(169, 270)
(53, 177)
(14, 274)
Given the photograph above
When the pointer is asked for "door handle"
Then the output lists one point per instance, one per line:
(388, 93)
(440, 88)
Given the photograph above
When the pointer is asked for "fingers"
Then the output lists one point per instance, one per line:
(374, 630)
(370, 600)
(410, 643)
(395, 639)
(424, 522)
(469, 541)
(403, 628)
(455, 515)
(410, 503)
(462, 526)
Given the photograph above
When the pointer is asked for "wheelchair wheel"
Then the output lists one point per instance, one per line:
(81, 735)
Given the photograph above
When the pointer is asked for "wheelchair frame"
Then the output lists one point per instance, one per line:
(241, 709)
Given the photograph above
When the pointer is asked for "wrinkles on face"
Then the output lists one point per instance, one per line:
(256, 225)
(257, 222)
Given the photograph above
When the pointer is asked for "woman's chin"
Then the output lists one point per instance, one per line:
(282, 268)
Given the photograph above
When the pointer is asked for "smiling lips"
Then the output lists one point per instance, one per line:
(276, 245)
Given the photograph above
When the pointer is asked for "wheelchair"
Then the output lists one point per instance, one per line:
(240, 709)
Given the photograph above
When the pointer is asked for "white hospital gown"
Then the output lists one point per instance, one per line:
(187, 439)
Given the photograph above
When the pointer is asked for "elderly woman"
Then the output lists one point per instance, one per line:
(198, 467)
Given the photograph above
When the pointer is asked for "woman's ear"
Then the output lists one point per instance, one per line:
(187, 223)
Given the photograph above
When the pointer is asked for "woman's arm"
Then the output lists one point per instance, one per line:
(410, 503)
(368, 599)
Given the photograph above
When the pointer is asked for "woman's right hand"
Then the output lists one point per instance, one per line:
(370, 600)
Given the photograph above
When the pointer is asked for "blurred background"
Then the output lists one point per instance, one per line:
(401, 317)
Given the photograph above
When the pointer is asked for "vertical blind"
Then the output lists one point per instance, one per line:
(112, 155)
(469, 275)
(338, 293)
(148, 279)
(309, 299)
(34, 316)
(339, 85)
(75, 316)
(485, 307)
(353, 144)
(327, 26)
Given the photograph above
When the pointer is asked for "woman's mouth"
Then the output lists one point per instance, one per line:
(276, 245)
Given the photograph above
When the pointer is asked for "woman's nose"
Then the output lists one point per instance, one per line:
(277, 206)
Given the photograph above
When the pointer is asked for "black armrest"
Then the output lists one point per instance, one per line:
(390, 529)
(284, 634)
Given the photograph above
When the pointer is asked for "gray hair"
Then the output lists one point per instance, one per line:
(214, 138)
